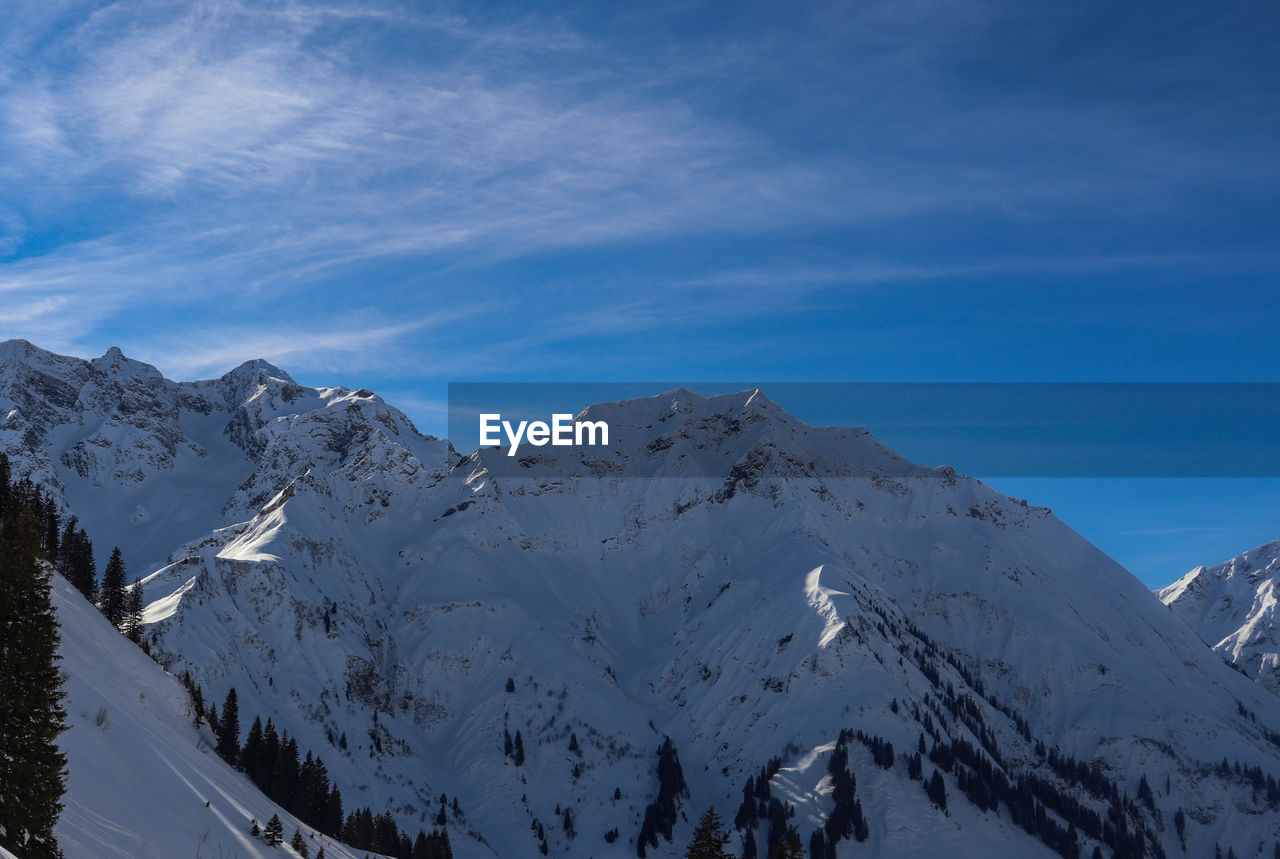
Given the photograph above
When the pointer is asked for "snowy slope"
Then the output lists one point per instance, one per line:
(142, 781)
(1232, 606)
(724, 575)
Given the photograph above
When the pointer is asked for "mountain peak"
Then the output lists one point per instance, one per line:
(258, 368)
(22, 351)
(747, 400)
(17, 346)
(116, 363)
(1250, 565)
(733, 436)
(1233, 608)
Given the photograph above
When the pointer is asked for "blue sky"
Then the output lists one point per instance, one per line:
(397, 195)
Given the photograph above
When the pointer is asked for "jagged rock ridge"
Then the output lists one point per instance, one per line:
(1232, 606)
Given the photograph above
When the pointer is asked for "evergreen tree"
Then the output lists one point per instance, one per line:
(133, 606)
(519, 750)
(438, 846)
(746, 816)
(299, 844)
(251, 752)
(51, 523)
(386, 837)
(32, 767)
(75, 560)
(318, 800)
(229, 729)
(817, 844)
(112, 599)
(305, 797)
(1145, 794)
(861, 832)
(333, 813)
(197, 700)
(937, 790)
(709, 838)
(274, 833)
(6, 490)
(284, 772)
(788, 846)
(660, 815)
(267, 757)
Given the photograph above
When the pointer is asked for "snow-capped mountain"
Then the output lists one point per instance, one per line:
(403, 610)
(1232, 606)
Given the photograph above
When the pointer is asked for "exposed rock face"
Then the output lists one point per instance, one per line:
(1232, 606)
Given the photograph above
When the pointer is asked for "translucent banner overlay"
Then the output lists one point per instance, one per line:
(982, 429)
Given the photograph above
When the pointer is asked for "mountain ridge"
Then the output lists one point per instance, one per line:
(1232, 607)
(375, 591)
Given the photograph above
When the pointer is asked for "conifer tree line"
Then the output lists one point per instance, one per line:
(69, 549)
(710, 838)
(299, 782)
(1079, 794)
(32, 767)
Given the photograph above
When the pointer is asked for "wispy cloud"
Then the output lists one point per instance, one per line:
(226, 102)
(230, 158)
(328, 346)
(512, 138)
(249, 147)
(870, 272)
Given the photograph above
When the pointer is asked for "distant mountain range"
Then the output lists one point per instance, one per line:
(816, 625)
